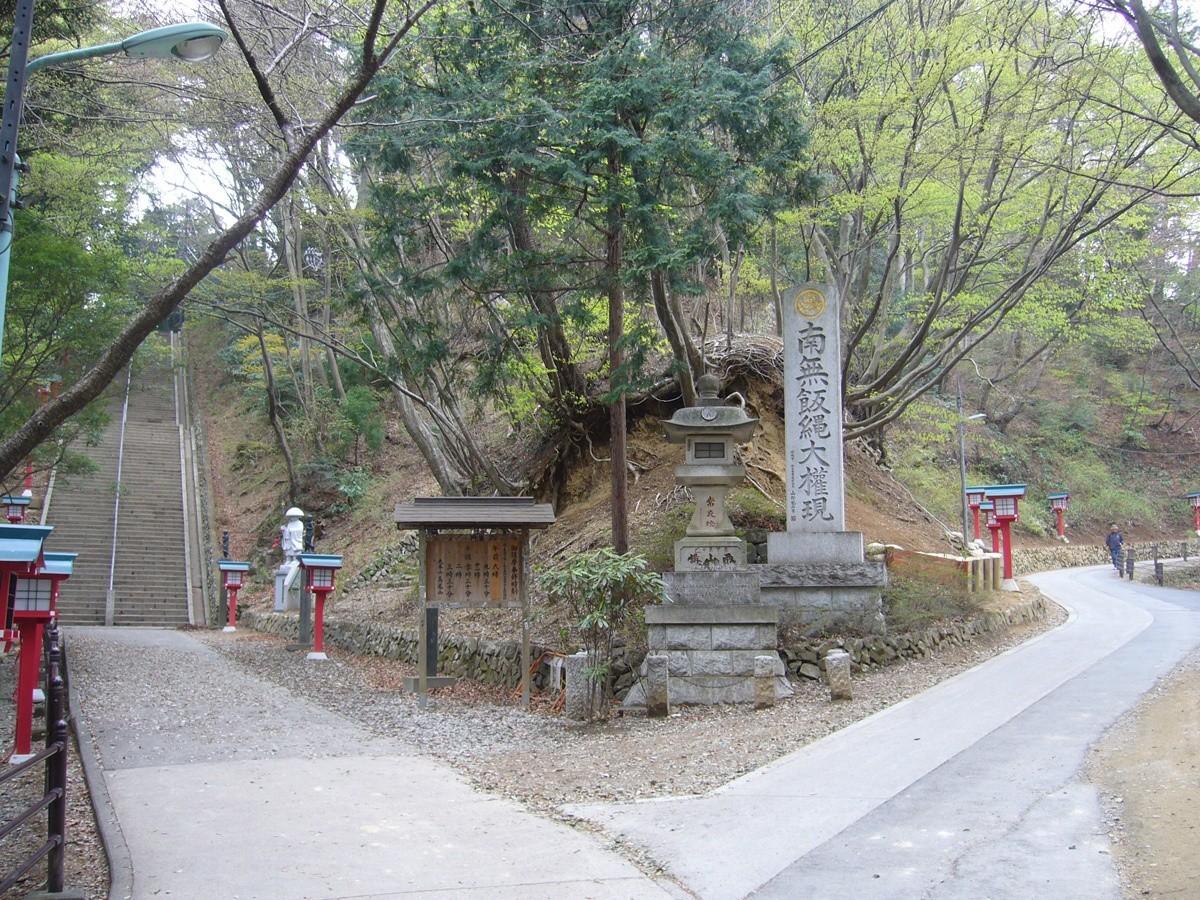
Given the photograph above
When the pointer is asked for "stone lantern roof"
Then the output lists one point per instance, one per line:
(711, 415)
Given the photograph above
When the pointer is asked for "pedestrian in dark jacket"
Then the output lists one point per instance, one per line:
(1115, 542)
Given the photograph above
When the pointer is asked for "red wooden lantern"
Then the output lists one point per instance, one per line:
(1059, 503)
(320, 573)
(234, 573)
(1194, 498)
(15, 507)
(975, 497)
(35, 599)
(1005, 501)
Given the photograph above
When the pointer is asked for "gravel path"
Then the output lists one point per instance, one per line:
(697, 749)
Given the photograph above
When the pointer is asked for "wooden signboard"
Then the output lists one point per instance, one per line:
(474, 570)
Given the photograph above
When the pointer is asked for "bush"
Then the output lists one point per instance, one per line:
(602, 591)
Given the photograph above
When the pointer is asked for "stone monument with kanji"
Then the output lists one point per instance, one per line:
(816, 571)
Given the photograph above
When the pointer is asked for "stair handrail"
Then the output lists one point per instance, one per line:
(110, 600)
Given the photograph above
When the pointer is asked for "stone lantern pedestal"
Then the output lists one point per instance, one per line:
(713, 625)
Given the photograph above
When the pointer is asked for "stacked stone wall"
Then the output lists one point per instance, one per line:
(492, 662)
(806, 659)
(1027, 560)
(499, 662)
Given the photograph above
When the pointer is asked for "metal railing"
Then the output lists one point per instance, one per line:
(54, 759)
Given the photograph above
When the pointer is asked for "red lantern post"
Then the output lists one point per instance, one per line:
(320, 572)
(975, 497)
(1194, 498)
(1059, 503)
(15, 507)
(234, 573)
(35, 599)
(1005, 499)
(993, 526)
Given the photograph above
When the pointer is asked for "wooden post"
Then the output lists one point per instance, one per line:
(525, 654)
(422, 673)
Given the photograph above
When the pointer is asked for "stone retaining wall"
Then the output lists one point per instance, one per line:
(806, 659)
(1027, 560)
(492, 662)
(499, 662)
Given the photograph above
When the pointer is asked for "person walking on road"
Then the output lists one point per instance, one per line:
(1115, 542)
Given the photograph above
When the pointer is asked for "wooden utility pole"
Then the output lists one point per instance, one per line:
(616, 317)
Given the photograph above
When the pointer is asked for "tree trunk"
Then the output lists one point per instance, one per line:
(273, 416)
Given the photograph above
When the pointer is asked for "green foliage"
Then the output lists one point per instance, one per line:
(361, 420)
(602, 591)
(353, 484)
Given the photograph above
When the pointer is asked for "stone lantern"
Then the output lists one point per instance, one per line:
(320, 571)
(15, 507)
(234, 573)
(1005, 498)
(710, 431)
(1059, 503)
(975, 497)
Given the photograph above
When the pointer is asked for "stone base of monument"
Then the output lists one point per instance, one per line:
(710, 652)
(229, 629)
(709, 554)
(315, 655)
(822, 582)
(1010, 584)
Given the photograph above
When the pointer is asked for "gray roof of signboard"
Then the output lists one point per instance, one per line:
(474, 512)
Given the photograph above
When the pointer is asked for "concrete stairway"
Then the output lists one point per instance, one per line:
(149, 572)
(81, 511)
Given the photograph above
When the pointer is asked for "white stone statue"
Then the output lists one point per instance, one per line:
(291, 534)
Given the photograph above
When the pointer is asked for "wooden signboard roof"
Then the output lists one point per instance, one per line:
(474, 512)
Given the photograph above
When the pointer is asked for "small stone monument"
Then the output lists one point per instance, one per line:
(837, 673)
(713, 626)
(816, 572)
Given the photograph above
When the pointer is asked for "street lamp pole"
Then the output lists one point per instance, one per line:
(191, 42)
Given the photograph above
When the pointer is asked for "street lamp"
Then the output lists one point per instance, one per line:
(962, 466)
(191, 42)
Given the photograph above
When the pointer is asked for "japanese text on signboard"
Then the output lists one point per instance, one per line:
(465, 570)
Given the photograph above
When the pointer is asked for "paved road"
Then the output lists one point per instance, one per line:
(227, 786)
(970, 790)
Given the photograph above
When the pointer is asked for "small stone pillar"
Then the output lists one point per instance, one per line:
(764, 681)
(837, 671)
(576, 704)
(657, 693)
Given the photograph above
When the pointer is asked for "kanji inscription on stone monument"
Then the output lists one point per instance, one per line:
(467, 570)
(813, 410)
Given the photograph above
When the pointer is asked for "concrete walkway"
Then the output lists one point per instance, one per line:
(969, 790)
(226, 786)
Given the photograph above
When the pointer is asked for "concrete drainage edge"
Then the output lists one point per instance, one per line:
(112, 838)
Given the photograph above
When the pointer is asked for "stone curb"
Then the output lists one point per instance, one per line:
(112, 838)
